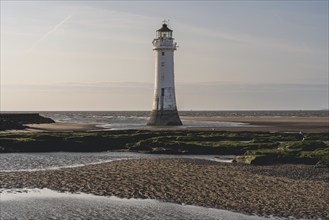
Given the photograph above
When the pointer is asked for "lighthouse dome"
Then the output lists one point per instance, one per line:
(164, 28)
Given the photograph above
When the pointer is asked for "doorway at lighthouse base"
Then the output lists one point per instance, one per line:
(164, 117)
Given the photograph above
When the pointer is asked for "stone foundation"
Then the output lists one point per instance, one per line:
(164, 118)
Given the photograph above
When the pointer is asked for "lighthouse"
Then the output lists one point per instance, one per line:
(164, 110)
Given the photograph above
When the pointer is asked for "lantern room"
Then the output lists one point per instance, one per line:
(164, 32)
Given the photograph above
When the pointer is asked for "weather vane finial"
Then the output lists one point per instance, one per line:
(166, 21)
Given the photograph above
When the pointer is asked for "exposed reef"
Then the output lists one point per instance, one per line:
(297, 152)
(259, 148)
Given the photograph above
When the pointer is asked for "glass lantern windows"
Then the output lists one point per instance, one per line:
(166, 34)
(161, 34)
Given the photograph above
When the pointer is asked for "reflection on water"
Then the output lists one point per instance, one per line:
(48, 204)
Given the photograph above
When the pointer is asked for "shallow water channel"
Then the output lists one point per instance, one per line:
(48, 161)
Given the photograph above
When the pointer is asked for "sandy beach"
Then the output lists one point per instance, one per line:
(283, 190)
(286, 190)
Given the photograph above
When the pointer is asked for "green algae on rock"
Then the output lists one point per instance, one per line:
(258, 148)
(297, 152)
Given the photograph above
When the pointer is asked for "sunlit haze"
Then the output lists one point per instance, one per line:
(97, 55)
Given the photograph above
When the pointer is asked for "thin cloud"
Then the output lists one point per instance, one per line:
(50, 32)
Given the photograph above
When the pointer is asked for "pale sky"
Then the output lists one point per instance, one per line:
(97, 55)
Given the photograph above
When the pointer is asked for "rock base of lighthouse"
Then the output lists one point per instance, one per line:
(164, 118)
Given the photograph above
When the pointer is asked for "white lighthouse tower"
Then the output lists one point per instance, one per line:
(164, 111)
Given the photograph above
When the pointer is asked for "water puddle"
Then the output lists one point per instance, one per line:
(48, 204)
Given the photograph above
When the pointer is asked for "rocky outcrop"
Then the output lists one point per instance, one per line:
(291, 152)
(17, 120)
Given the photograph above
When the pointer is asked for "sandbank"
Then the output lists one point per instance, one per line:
(60, 126)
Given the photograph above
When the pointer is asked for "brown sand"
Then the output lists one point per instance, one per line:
(291, 190)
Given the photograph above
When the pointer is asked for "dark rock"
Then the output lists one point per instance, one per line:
(17, 120)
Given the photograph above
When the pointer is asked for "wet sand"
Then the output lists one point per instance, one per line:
(286, 190)
(60, 126)
(54, 127)
(255, 124)
(271, 124)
